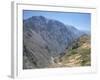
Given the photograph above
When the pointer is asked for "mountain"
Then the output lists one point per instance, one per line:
(86, 32)
(44, 39)
(78, 55)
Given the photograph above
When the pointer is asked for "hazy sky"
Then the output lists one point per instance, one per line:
(81, 21)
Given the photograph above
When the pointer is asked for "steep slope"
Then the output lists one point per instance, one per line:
(45, 39)
(78, 55)
(35, 51)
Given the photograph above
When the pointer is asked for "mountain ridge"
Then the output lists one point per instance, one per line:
(45, 38)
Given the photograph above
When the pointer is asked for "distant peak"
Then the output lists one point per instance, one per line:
(38, 17)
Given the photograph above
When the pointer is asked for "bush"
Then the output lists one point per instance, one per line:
(73, 51)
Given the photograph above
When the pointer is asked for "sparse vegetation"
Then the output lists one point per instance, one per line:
(51, 43)
(77, 56)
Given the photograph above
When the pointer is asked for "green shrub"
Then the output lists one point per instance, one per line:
(73, 51)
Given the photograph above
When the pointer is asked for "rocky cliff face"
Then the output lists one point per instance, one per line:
(44, 39)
